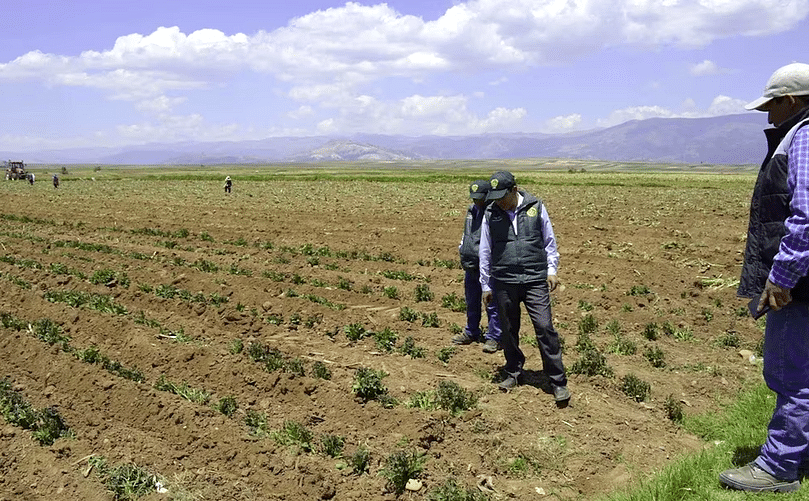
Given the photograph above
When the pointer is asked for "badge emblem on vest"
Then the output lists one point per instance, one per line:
(494, 184)
(532, 212)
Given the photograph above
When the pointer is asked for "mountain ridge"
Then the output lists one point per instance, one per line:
(728, 139)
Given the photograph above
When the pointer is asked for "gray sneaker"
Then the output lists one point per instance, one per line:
(752, 478)
(463, 338)
(491, 346)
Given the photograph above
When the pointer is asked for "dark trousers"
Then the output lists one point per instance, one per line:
(537, 302)
(473, 294)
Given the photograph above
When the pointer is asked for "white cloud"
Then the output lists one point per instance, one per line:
(707, 68)
(563, 123)
(721, 105)
(337, 59)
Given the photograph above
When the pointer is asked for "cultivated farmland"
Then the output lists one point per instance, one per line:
(291, 340)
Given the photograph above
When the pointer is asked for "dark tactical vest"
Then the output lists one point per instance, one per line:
(769, 208)
(518, 259)
(471, 238)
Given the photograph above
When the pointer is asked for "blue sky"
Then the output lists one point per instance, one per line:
(122, 72)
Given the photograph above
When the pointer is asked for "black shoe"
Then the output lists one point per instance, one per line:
(510, 382)
(561, 393)
(752, 478)
(463, 338)
(491, 346)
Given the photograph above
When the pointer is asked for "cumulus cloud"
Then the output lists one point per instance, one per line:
(707, 68)
(563, 123)
(720, 105)
(334, 59)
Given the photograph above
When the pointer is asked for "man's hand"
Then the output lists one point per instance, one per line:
(553, 282)
(775, 296)
(487, 298)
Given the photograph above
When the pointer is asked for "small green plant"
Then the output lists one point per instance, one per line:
(368, 384)
(256, 423)
(655, 357)
(650, 331)
(591, 363)
(391, 292)
(344, 283)
(707, 314)
(355, 331)
(386, 339)
(730, 339)
(674, 409)
(444, 354)
(635, 388)
(183, 390)
(584, 342)
(684, 334)
(332, 445)
(423, 293)
(360, 461)
(274, 275)
(585, 306)
(236, 346)
(408, 314)
(455, 329)
(400, 467)
(430, 320)
(226, 405)
(294, 434)
(622, 346)
(451, 397)
(127, 482)
(409, 348)
(398, 275)
(451, 490)
(638, 290)
(453, 302)
(320, 371)
(588, 324)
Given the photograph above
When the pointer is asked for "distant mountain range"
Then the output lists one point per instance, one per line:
(730, 139)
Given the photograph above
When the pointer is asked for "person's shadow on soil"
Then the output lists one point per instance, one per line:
(537, 379)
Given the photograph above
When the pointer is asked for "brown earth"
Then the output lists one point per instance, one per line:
(680, 239)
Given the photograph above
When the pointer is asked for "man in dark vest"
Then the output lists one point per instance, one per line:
(470, 262)
(518, 260)
(776, 260)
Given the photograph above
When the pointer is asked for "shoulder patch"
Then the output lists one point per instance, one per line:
(532, 212)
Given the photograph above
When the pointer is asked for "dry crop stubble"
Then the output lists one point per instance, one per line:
(609, 226)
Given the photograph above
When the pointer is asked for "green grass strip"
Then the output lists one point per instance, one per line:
(734, 437)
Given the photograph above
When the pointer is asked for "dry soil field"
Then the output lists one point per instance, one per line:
(231, 346)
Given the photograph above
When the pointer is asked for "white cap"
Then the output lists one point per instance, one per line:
(789, 80)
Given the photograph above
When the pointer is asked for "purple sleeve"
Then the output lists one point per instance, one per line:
(792, 261)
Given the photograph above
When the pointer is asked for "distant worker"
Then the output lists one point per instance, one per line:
(55, 181)
(470, 262)
(31, 178)
(228, 184)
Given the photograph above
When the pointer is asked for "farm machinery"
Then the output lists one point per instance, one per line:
(15, 170)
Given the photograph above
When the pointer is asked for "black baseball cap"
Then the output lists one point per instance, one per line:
(501, 182)
(478, 189)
